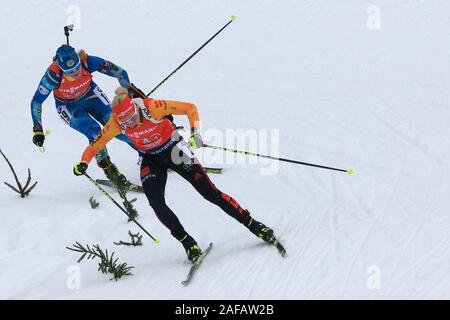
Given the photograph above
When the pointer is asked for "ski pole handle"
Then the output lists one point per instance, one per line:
(46, 133)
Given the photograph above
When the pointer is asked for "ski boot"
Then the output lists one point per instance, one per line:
(260, 230)
(263, 232)
(193, 251)
(112, 173)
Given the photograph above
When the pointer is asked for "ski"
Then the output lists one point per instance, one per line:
(213, 170)
(131, 186)
(138, 188)
(195, 265)
(209, 170)
(280, 248)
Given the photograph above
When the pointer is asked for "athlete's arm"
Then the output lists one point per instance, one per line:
(109, 131)
(110, 69)
(162, 108)
(48, 83)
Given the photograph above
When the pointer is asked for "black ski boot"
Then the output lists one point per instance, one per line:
(193, 251)
(263, 232)
(112, 173)
(260, 230)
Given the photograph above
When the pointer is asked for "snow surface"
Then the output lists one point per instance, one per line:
(340, 93)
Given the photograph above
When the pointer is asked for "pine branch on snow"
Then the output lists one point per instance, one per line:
(123, 189)
(107, 263)
(132, 212)
(136, 240)
(23, 191)
(94, 204)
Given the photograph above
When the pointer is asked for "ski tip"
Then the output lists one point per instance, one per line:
(213, 170)
(157, 241)
(350, 171)
(233, 18)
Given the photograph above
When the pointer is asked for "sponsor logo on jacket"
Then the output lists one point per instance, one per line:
(76, 88)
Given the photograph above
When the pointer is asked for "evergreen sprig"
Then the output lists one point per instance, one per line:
(23, 191)
(136, 240)
(107, 262)
(94, 204)
(132, 212)
(122, 189)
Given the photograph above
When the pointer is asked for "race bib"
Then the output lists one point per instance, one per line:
(183, 146)
(101, 95)
(65, 115)
(185, 157)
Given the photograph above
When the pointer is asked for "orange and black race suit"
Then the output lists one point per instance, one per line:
(155, 132)
(160, 152)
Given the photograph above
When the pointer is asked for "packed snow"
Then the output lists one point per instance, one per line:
(348, 84)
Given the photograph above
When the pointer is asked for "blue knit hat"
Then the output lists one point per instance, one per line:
(68, 59)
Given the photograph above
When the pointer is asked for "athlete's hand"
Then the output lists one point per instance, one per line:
(195, 141)
(80, 168)
(135, 92)
(38, 135)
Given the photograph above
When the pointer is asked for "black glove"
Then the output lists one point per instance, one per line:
(80, 168)
(135, 92)
(170, 117)
(38, 135)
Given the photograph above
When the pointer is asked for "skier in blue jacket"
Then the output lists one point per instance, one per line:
(79, 101)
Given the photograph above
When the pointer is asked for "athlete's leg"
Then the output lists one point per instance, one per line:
(154, 177)
(78, 119)
(185, 164)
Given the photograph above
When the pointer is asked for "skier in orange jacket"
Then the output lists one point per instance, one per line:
(161, 147)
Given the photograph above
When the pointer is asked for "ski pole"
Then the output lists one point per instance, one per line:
(192, 55)
(46, 133)
(349, 171)
(156, 240)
